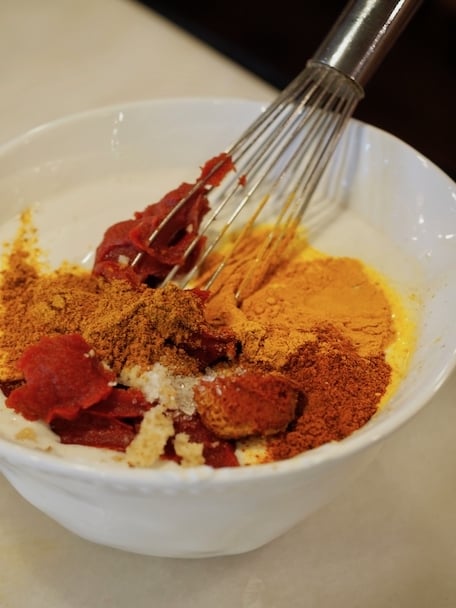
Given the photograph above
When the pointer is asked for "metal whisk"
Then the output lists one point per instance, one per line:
(281, 157)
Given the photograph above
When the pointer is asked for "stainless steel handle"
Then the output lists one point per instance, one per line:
(362, 36)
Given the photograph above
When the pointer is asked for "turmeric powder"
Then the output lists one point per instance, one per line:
(300, 294)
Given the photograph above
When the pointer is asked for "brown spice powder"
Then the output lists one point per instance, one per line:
(126, 325)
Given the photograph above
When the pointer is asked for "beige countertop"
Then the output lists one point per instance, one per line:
(388, 541)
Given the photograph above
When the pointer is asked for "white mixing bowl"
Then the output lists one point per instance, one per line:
(389, 206)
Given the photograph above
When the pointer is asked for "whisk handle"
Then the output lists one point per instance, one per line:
(363, 35)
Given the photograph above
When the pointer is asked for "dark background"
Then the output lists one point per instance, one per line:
(412, 95)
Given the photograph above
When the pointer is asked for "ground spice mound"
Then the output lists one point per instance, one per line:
(246, 404)
(342, 391)
(126, 325)
(312, 337)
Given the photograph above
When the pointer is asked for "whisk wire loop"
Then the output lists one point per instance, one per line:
(283, 155)
(271, 130)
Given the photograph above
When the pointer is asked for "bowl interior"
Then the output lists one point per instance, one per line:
(387, 205)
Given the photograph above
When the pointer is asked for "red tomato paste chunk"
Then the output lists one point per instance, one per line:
(112, 423)
(187, 204)
(94, 430)
(62, 377)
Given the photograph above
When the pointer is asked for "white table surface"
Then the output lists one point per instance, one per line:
(388, 541)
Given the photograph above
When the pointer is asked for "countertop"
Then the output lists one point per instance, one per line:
(388, 541)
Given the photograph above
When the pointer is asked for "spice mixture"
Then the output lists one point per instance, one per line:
(108, 359)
